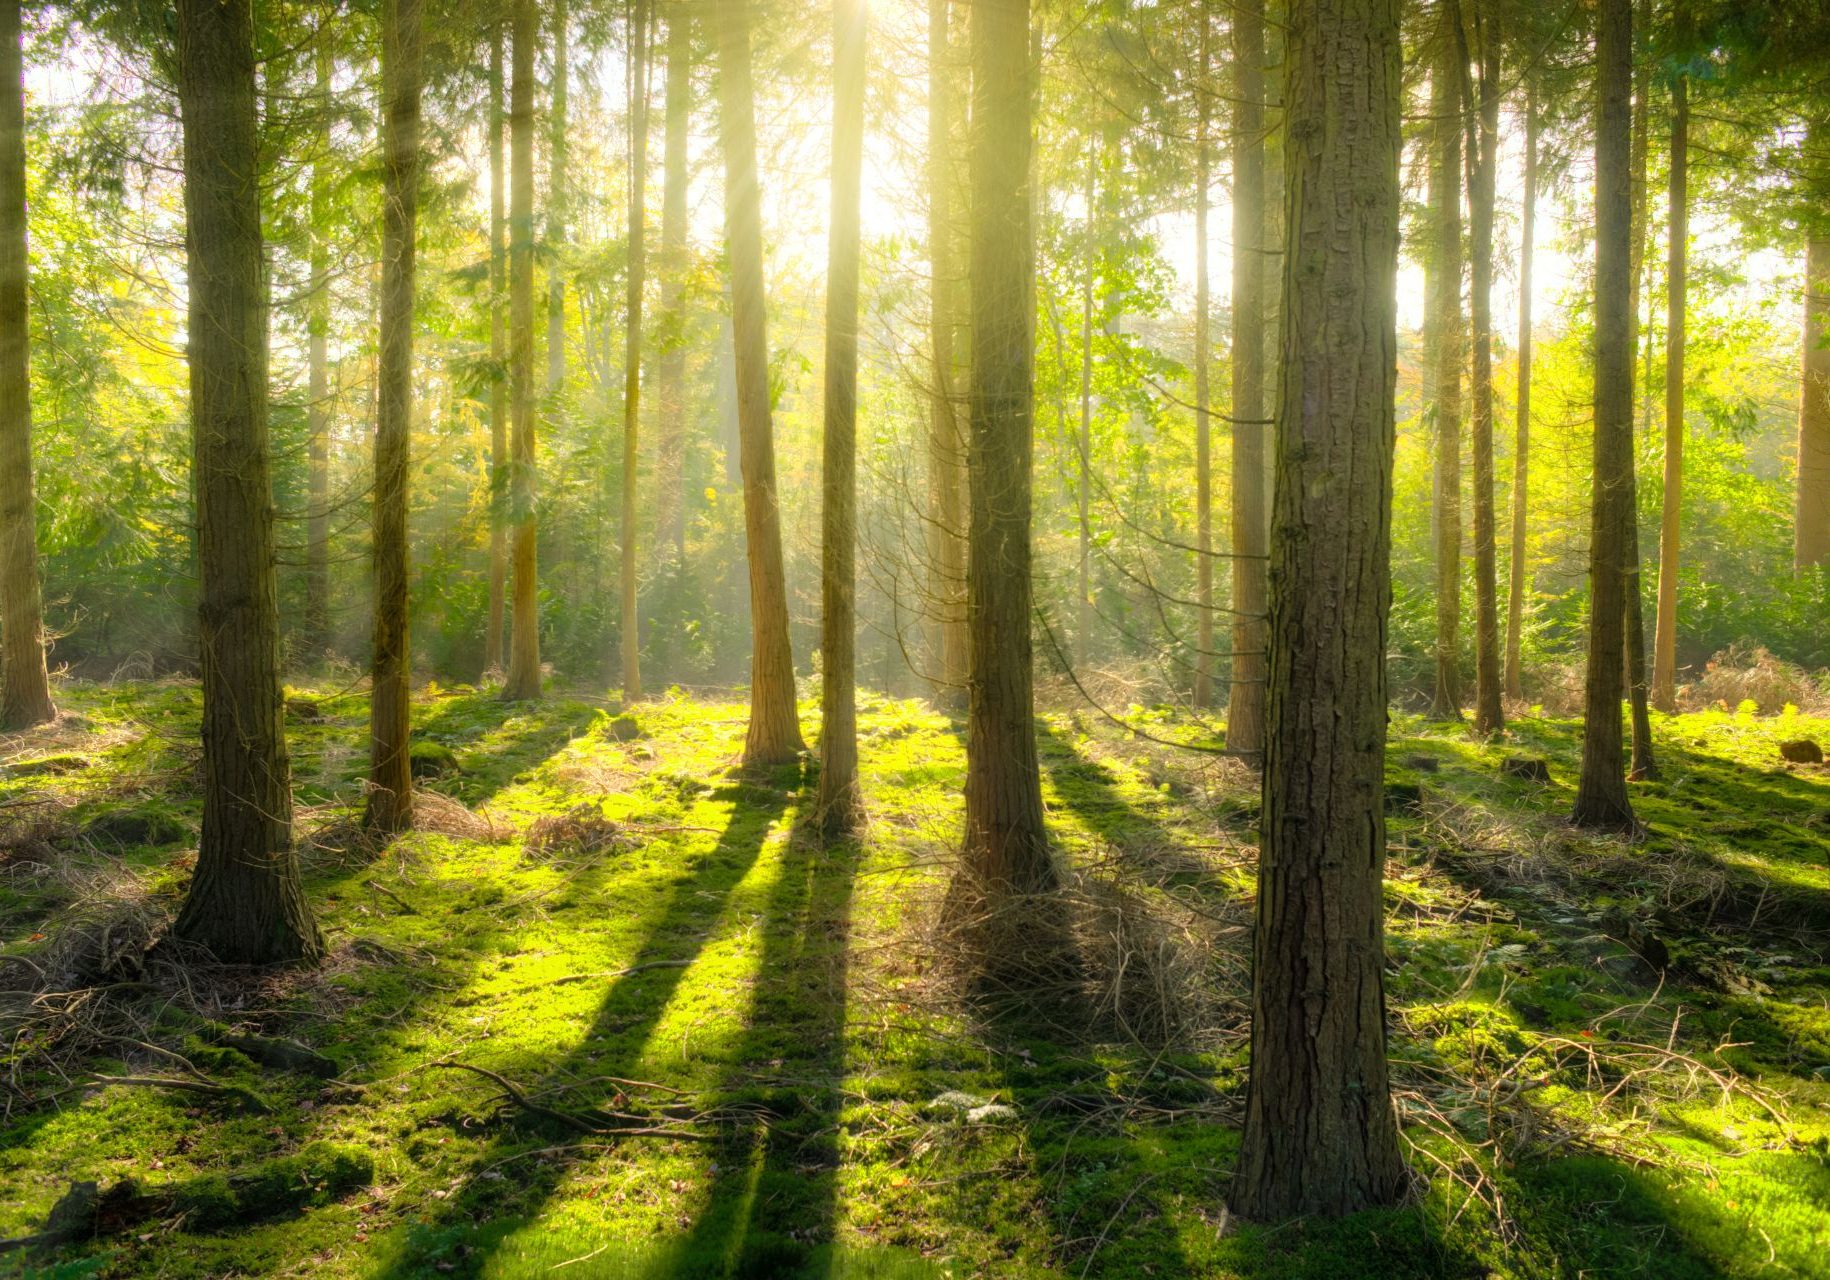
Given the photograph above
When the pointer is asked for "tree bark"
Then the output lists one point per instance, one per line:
(245, 904)
(947, 515)
(25, 688)
(557, 198)
(1483, 150)
(498, 356)
(317, 380)
(523, 679)
(1321, 1136)
(390, 796)
(1521, 449)
(1601, 789)
(774, 735)
(670, 358)
(1444, 340)
(840, 805)
(1811, 537)
(1204, 470)
(1083, 628)
(1664, 652)
(1246, 693)
(632, 338)
(1005, 850)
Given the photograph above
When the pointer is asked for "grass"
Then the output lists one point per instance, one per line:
(675, 926)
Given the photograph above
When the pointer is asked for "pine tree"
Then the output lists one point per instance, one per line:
(523, 679)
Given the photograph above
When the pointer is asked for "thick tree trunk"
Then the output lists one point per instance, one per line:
(1811, 537)
(1005, 850)
(840, 805)
(1664, 653)
(670, 358)
(1204, 468)
(390, 798)
(1246, 695)
(245, 903)
(632, 338)
(774, 735)
(25, 689)
(1483, 154)
(1601, 790)
(523, 679)
(1321, 1136)
(1521, 449)
(946, 439)
(317, 380)
(498, 356)
(1443, 338)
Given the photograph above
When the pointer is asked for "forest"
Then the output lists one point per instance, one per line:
(753, 638)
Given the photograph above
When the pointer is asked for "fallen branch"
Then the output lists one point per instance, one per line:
(248, 1098)
(581, 1124)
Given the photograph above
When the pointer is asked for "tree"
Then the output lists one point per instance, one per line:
(245, 904)
(1321, 1136)
(1483, 112)
(840, 805)
(1089, 265)
(632, 335)
(1005, 850)
(1443, 340)
(498, 356)
(390, 796)
(1521, 448)
(1601, 789)
(947, 515)
(317, 382)
(1664, 652)
(25, 689)
(1204, 477)
(557, 198)
(670, 361)
(774, 735)
(1811, 536)
(523, 680)
(1246, 695)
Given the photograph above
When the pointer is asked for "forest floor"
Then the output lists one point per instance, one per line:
(616, 1013)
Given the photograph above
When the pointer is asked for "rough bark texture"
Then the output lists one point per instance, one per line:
(1320, 1135)
(25, 688)
(390, 798)
(317, 379)
(774, 735)
(1664, 651)
(840, 804)
(946, 437)
(632, 338)
(1811, 540)
(1443, 339)
(1521, 447)
(245, 902)
(523, 679)
(1204, 469)
(1246, 694)
(498, 356)
(1005, 849)
(670, 358)
(1483, 157)
(1601, 791)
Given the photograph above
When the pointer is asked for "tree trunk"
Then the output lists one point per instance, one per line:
(1811, 537)
(25, 692)
(1246, 695)
(1321, 1136)
(946, 441)
(498, 355)
(1601, 790)
(670, 359)
(774, 735)
(1664, 654)
(1483, 148)
(1521, 449)
(1638, 156)
(245, 904)
(390, 797)
(632, 337)
(317, 381)
(1005, 850)
(1083, 637)
(556, 210)
(1444, 341)
(523, 679)
(1204, 470)
(840, 805)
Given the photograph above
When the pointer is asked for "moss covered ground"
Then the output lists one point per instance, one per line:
(1613, 1057)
